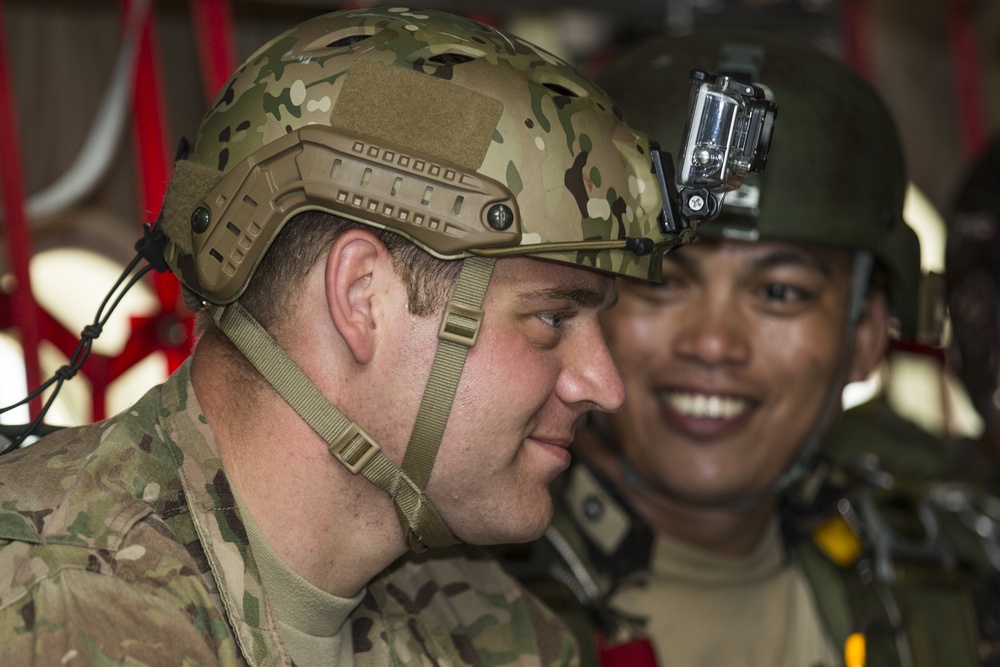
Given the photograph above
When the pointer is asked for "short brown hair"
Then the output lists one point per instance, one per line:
(306, 237)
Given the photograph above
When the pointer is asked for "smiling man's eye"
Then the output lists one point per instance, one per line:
(554, 320)
(778, 292)
(784, 292)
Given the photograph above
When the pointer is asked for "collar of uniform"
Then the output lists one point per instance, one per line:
(618, 542)
(220, 529)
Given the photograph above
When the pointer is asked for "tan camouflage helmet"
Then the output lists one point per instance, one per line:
(464, 139)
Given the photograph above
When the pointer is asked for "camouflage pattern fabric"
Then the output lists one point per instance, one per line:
(365, 113)
(120, 544)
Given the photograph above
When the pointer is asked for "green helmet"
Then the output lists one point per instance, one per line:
(835, 174)
(464, 139)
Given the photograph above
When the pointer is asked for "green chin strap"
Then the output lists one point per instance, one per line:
(346, 441)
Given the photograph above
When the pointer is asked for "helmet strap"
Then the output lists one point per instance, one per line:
(346, 441)
(460, 326)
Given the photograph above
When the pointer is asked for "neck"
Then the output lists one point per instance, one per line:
(335, 529)
(719, 530)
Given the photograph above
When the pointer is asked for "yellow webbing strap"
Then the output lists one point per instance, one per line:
(347, 442)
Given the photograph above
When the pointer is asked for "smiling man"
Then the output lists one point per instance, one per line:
(401, 228)
(730, 360)
(715, 519)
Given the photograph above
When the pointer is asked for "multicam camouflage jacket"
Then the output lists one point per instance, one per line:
(120, 544)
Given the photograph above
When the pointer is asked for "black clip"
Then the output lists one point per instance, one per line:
(151, 245)
(670, 217)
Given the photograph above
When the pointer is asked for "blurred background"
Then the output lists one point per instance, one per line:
(95, 95)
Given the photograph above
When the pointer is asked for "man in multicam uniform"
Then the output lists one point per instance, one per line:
(253, 508)
(729, 514)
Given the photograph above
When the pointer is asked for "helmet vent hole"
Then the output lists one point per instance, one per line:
(216, 255)
(366, 177)
(347, 41)
(233, 228)
(396, 184)
(456, 208)
(450, 59)
(560, 90)
(428, 191)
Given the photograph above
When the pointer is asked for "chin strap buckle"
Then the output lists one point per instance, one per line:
(461, 324)
(354, 448)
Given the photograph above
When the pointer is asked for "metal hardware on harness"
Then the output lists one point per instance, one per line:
(887, 543)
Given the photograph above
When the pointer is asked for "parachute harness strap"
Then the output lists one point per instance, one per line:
(346, 441)
(460, 325)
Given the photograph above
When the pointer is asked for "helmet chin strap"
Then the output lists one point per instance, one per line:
(346, 441)
(861, 272)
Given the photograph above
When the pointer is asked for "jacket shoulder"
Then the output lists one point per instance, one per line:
(465, 605)
(103, 557)
(99, 607)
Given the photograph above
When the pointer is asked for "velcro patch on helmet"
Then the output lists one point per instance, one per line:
(417, 111)
(189, 185)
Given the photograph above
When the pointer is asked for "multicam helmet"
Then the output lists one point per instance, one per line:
(835, 173)
(462, 138)
(468, 141)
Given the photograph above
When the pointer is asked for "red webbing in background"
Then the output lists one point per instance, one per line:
(854, 30)
(213, 24)
(968, 81)
(169, 330)
(21, 306)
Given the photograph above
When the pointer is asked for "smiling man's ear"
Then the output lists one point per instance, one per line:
(356, 269)
(871, 338)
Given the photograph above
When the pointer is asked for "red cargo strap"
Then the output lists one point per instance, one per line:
(636, 652)
(968, 78)
(213, 24)
(23, 306)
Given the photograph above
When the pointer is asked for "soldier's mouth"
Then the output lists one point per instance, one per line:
(705, 406)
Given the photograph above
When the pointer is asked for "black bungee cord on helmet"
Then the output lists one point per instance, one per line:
(149, 247)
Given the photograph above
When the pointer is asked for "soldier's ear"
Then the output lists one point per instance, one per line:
(871, 338)
(356, 268)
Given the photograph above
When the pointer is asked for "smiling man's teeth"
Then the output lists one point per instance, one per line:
(705, 406)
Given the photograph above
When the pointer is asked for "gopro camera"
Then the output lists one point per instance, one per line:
(727, 136)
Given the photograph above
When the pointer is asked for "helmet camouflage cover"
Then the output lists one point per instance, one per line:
(464, 139)
(835, 174)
